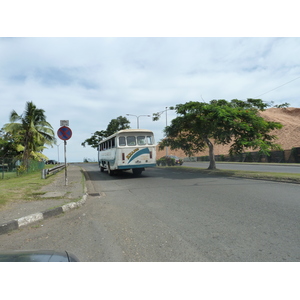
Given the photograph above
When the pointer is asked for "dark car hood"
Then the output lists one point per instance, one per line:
(37, 256)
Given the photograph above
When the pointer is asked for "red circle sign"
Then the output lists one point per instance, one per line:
(64, 133)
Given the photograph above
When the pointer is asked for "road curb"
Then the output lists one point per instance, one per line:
(6, 227)
(52, 212)
(27, 220)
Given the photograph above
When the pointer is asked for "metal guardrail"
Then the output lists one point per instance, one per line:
(50, 171)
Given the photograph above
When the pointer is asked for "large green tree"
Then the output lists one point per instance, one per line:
(200, 125)
(114, 125)
(31, 131)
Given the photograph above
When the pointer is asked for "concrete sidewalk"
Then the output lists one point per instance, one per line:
(58, 198)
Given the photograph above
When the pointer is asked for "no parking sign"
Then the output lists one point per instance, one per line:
(64, 133)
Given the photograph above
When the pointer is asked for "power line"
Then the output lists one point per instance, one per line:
(277, 87)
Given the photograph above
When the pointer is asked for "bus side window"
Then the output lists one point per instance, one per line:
(149, 140)
(122, 141)
(131, 141)
(141, 140)
(113, 143)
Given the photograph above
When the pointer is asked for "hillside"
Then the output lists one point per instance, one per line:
(288, 136)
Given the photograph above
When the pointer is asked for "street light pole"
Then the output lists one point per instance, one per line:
(156, 117)
(137, 118)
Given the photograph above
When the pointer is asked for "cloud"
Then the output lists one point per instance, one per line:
(93, 80)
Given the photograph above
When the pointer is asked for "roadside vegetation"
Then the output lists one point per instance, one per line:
(168, 161)
(237, 123)
(23, 187)
(23, 140)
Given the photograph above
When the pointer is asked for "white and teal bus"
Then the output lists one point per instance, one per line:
(127, 149)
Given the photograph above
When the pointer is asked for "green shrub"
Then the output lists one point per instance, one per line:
(166, 161)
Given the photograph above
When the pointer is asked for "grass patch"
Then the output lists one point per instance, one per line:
(282, 177)
(22, 187)
(7, 175)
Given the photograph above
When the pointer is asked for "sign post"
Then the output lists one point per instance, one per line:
(65, 151)
(65, 133)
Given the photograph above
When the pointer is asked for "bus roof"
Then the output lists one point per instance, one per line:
(133, 130)
(126, 131)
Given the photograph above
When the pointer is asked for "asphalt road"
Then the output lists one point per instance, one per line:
(168, 215)
(259, 167)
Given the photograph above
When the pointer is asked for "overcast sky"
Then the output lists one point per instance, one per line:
(90, 81)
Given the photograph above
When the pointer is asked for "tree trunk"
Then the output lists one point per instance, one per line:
(212, 162)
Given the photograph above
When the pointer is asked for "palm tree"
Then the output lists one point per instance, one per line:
(33, 128)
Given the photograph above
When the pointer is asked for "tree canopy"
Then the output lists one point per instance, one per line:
(200, 125)
(8, 145)
(114, 125)
(29, 132)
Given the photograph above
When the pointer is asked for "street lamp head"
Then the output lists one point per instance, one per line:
(137, 118)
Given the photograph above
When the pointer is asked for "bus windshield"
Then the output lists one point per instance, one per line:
(131, 141)
(140, 140)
